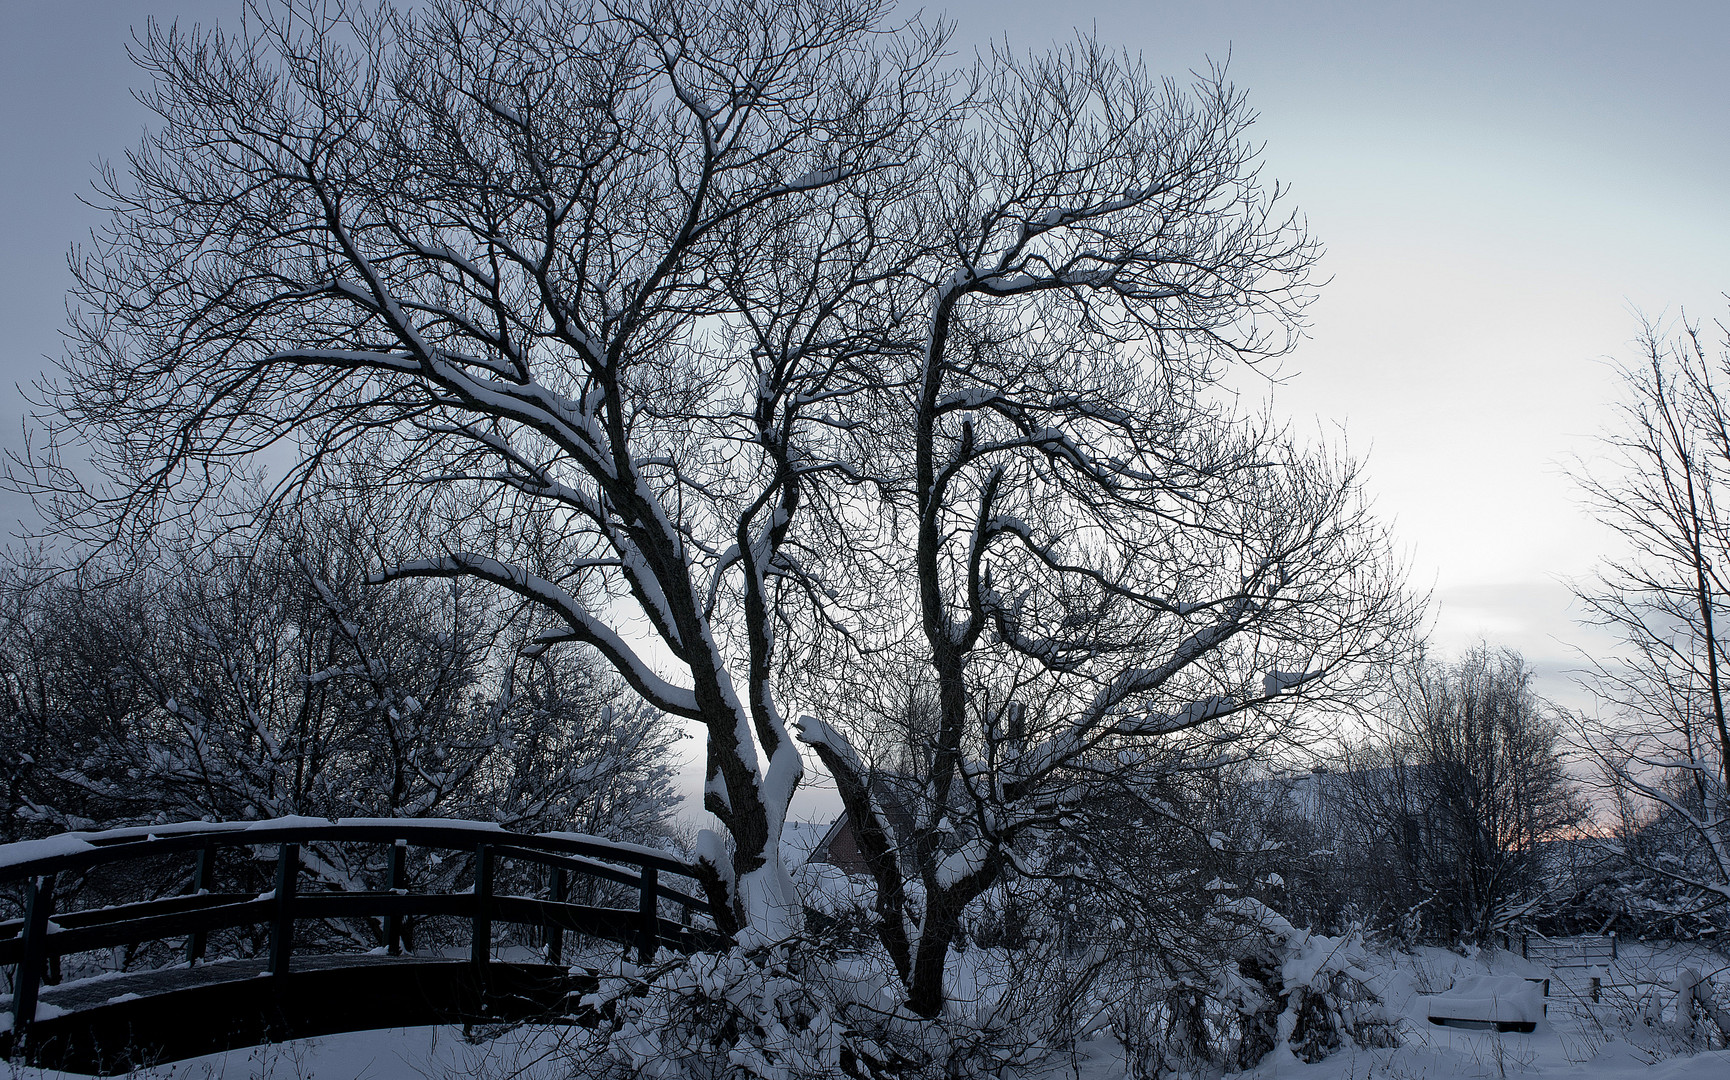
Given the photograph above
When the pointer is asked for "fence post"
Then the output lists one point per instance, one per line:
(282, 925)
(480, 950)
(398, 869)
(38, 905)
(1612, 946)
(648, 919)
(555, 932)
(201, 872)
(1525, 946)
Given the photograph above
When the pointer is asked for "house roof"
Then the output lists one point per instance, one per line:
(801, 840)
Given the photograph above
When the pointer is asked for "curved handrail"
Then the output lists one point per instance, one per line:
(31, 940)
(82, 850)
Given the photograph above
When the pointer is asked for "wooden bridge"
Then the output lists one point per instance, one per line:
(292, 987)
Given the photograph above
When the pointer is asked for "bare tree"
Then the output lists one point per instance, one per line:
(1096, 576)
(69, 696)
(741, 338)
(262, 679)
(1448, 812)
(590, 282)
(1663, 753)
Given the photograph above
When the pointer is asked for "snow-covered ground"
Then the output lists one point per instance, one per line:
(1608, 1040)
(1631, 1033)
(403, 1054)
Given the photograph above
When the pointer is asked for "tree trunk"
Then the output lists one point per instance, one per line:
(925, 989)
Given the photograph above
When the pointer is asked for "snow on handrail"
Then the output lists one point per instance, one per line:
(72, 850)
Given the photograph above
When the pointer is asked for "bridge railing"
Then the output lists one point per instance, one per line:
(29, 943)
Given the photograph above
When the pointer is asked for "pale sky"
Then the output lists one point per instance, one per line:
(1502, 188)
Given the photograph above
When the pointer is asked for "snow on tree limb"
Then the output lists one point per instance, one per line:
(584, 626)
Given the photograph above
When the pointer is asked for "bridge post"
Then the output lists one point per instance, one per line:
(282, 924)
(481, 948)
(555, 932)
(398, 887)
(38, 905)
(648, 917)
(201, 871)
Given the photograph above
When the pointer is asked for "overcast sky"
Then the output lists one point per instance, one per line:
(1503, 190)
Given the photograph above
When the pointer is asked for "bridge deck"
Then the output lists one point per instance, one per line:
(111, 1024)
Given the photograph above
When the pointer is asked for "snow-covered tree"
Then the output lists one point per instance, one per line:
(1661, 743)
(1092, 573)
(70, 696)
(740, 339)
(591, 282)
(579, 753)
(264, 679)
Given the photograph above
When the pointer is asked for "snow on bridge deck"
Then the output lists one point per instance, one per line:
(111, 1024)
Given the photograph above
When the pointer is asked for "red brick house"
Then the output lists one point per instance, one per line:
(839, 848)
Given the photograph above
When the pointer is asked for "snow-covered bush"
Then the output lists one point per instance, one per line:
(1315, 986)
(838, 906)
(808, 1010)
(1692, 1009)
(1255, 985)
(710, 1016)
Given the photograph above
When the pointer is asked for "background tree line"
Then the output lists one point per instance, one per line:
(262, 678)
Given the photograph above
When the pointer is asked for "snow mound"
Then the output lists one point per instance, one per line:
(1490, 999)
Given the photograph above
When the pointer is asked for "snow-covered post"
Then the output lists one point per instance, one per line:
(396, 872)
(560, 893)
(32, 959)
(282, 907)
(481, 929)
(201, 875)
(648, 916)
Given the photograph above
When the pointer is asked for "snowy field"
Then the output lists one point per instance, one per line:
(1632, 1031)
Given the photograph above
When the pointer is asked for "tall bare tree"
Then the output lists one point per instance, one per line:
(740, 337)
(1102, 577)
(1447, 812)
(1664, 749)
(587, 282)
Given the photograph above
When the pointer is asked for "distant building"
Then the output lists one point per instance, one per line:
(840, 848)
